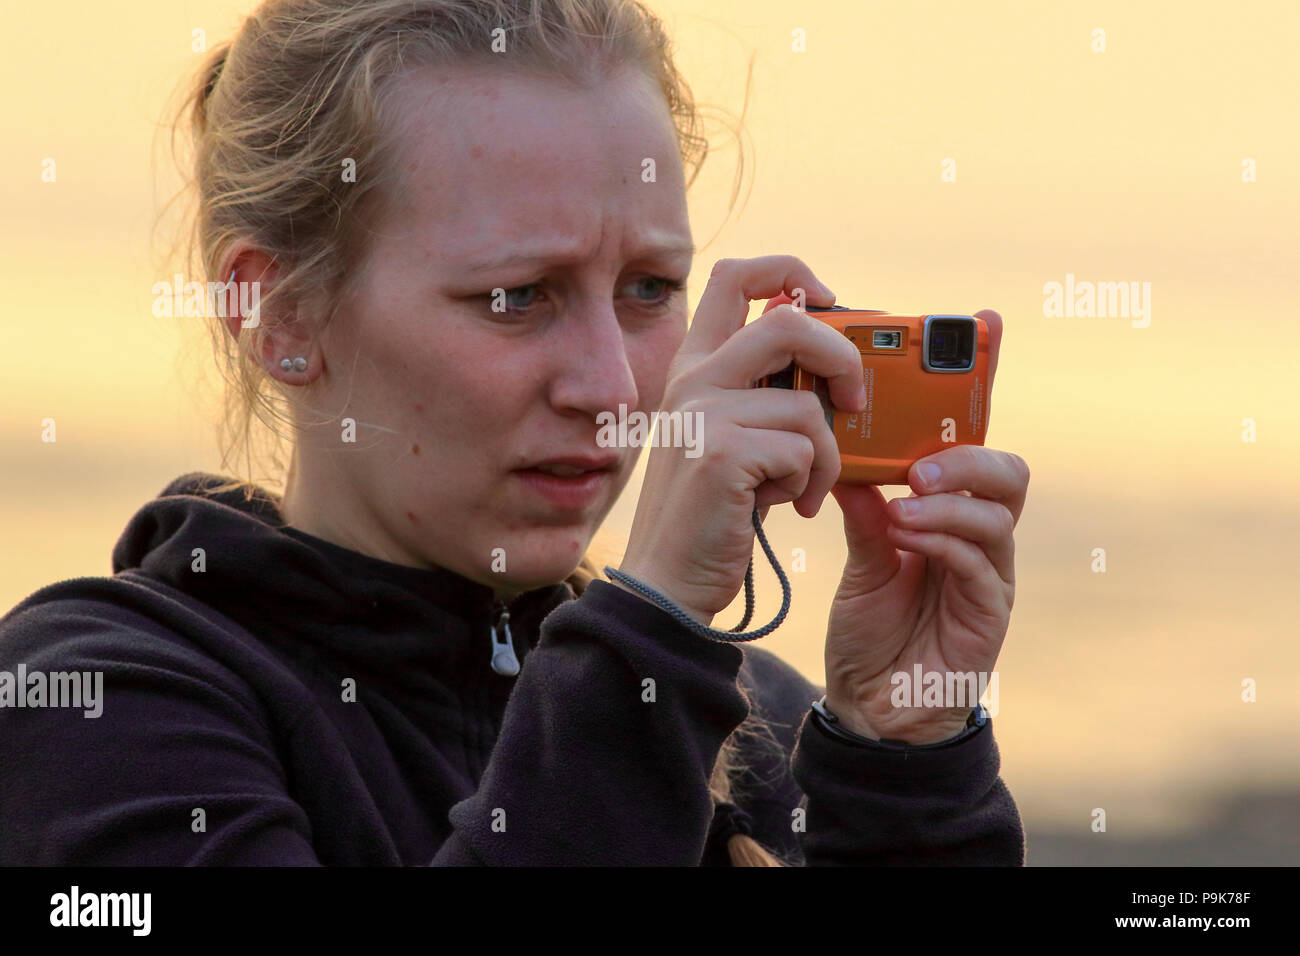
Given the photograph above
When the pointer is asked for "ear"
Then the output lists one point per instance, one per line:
(285, 335)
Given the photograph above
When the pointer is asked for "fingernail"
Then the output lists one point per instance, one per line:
(825, 288)
(928, 472)
(908, 505)
(862, 397)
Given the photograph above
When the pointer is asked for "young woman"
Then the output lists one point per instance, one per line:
(405, 658)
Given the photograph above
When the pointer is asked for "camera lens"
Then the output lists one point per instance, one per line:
(951, 344)
(943, 345)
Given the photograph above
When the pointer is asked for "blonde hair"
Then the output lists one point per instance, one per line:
(302, 88)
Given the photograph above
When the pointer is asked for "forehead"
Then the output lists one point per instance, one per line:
(487, 157)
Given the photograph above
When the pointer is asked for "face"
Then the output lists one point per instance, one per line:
(523, 185)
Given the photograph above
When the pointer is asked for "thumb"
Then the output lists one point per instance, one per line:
(872, 556)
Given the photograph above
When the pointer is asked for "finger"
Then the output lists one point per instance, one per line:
(872, 556)
(986, 472)
(987, 524)
(977, 582)
(780, 462)
(792, 411)
(724, 304)
(994, 323)
(773, 341)
(784, 299)
(776, 300)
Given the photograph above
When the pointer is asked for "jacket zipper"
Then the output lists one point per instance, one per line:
(504, 661)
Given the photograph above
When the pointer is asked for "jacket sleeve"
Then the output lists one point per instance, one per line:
(818, 801)
(178, 767)
(606, 745)
(868, 806)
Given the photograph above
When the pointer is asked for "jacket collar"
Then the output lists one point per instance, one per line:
(235, 554)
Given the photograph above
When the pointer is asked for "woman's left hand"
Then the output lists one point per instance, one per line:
(930, 580)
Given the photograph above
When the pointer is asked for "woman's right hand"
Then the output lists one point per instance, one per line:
(693, 534)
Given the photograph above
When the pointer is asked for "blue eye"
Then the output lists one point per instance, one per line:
(667, 288)
(670, 288)
(515, 305)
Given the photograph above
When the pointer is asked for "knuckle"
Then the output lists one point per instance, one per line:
(691, 406)
(1006, 521)
(783, 319)
(827, 463)
(974, 459)
(854, 358)
(722, 267)
(812, 405)
(807, 453)
(1021, 468)
(723, 446)
(959, 457)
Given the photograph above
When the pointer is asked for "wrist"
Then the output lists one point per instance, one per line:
(694, 613)
(848, 718)
(928, 731)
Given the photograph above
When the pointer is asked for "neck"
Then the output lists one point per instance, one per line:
(335, 513)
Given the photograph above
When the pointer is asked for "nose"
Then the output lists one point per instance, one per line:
(593, 373)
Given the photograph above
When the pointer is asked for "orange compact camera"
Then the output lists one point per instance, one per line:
(927, 388)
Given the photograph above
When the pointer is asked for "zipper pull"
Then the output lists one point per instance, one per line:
(504, 661)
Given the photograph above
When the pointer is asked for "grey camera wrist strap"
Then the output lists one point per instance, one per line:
(727, 637)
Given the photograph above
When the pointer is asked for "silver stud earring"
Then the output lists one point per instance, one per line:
(234, 298)
(298, 364)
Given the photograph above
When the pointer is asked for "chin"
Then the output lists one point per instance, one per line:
(547, 558)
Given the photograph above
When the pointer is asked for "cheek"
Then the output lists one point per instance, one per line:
(651, 357)
(486, 405)
(440, 382)
(463, 413)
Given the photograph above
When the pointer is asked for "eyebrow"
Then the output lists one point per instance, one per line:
(566, 255)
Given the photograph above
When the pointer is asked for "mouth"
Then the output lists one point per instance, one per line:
(569, 484)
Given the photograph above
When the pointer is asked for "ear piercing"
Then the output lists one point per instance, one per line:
(296, 364)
